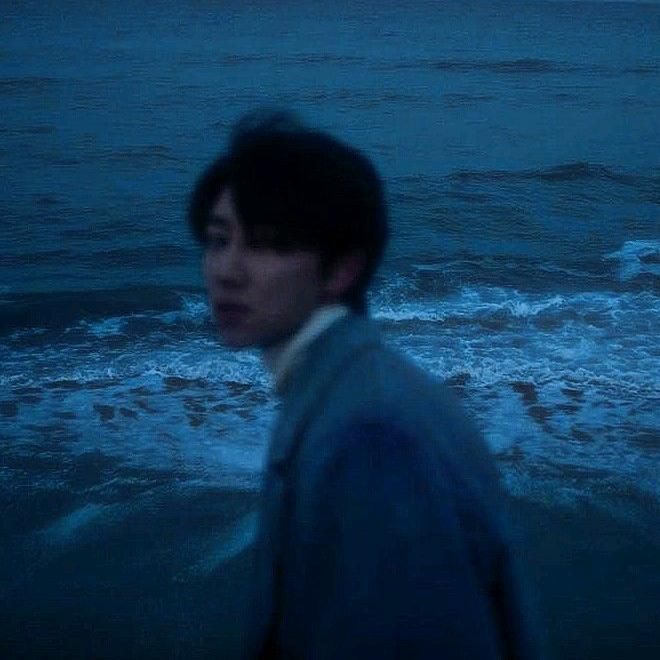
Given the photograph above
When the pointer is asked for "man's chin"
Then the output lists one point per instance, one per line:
(236, 339)
(237, 342)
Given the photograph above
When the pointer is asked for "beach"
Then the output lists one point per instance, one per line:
(519, 148)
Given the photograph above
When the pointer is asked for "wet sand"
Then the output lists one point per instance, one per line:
(153, 577)
(148, 579)
(595, 578)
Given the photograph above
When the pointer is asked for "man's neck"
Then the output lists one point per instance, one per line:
(281, 359)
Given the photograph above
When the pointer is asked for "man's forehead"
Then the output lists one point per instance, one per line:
(224, 202)
(223, 211)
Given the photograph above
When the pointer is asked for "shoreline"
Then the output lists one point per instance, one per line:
(167, 579)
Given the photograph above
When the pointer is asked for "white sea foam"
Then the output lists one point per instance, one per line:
(27, 332)
(194, 310)
(105, 327)
(68, 528)
(477, 303)
(185, 401)
(223, 547)
(202, 359)
(636, 258)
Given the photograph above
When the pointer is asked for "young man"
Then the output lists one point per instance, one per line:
(380, 533)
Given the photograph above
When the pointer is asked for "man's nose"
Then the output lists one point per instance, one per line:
(229, 268)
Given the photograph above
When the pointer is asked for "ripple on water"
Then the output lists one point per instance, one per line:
(8, 409)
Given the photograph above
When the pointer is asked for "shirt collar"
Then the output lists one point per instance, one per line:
(285, 356)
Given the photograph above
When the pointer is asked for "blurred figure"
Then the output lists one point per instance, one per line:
(380, 531)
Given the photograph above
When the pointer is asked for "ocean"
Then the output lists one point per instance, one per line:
(520, 149)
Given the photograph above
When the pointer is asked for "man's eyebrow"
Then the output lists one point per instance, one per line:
(217, 222)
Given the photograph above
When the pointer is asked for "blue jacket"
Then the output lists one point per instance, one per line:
(381, 534)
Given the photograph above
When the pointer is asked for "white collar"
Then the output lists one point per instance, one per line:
(282, 358)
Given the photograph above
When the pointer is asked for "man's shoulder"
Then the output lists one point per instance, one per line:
(381, 388)
(380, 383)
(358, 344)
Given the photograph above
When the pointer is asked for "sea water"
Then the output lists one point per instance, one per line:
(520, 150)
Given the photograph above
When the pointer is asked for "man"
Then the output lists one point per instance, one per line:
(380, 533)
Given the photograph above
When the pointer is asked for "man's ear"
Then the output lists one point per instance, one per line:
(342, 274)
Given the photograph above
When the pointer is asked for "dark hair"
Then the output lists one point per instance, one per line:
(295, 187)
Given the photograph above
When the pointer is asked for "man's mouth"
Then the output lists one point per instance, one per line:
(230, 312)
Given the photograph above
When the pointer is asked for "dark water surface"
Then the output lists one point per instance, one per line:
(520, 147)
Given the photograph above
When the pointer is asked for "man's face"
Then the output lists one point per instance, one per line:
(259, 296)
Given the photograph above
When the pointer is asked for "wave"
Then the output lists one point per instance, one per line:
(502, 308)
(238, 58)
(428, 294)
(70, 526)
(637, 258)
(151, 155)
(456, 100)
(517, 66)
(643, 69)
(164, 400)
(324, 58)
(222, 547)
(353, 98)
(59, 311)
(163, 254)
(471, 305)
(523, 65)
(90, 358)
(28, 84)
(235, 59)
(169, 334)
(37, 129)
(106, 327)
(565, 172)
(427, 188)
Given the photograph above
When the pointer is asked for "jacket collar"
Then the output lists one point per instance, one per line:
(313, 376)
(283, 359)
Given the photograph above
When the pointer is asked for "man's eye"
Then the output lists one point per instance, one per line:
(263, 237)
(217, 242)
